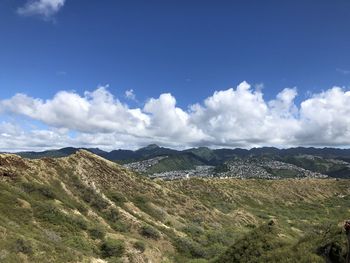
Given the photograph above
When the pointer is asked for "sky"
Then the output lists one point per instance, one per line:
(123, 74)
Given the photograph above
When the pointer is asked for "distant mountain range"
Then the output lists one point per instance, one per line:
(333, 162)
(205, 153)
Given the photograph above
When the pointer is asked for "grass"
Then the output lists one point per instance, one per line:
(65, 217)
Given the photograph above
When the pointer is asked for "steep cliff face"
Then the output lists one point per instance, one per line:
(83, 208)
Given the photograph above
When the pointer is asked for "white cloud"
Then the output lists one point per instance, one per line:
(229, 118)
(129, 94)
(96, 111)
(168, 121)
(325, 118)
(44, 8)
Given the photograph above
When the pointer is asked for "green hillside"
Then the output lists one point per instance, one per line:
(331, 167)
(176, 163)
(83, 208)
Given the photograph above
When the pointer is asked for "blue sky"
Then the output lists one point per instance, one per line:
(186, 48)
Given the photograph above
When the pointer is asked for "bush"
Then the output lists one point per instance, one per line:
(50, 213)
(143, 203)
(149, 232)
(140, 246)
(97, 233)
(112, 215)
(82, 208)
(118, 198)
(99, 203)
(193, 230)
(79, 242)
(189, 248)
(40, 189)
(120, 226)
(81, 223)
(90, 196)
(112, 248)
(23, 246)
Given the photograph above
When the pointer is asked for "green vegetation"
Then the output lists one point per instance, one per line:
(149, 232)
(266, 244)
(189, 248)
(143, 203)
(118, 198)
(23, 246)
(140, 246)
(176, 162)
(82, 208)
(97, 233)
(330, 167)
(112, 248)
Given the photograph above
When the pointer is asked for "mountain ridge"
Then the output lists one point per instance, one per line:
(333, 162)
(154, 150)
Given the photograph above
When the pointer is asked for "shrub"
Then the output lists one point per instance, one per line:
(23, 246)
(97, 233)
(99, 203)
(79, 242)
(189, 248)
(112, 215)
(149, 232)
(43, 190)
(193, 230)
(82, 208)
(50, 213)
(90, 196)
(140, 246)
(118, 198)
(143, 203)
(169, 223)
(81, 223)
(112, 248)
(120, 226)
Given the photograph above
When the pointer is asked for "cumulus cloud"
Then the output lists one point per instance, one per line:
(129, 94)
(44, 8)
(96, 111)
(236, 117)
(325, 118)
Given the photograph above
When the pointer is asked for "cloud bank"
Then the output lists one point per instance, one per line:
(239, 117)
(44, 8)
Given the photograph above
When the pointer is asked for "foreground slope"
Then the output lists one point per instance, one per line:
(83, 208)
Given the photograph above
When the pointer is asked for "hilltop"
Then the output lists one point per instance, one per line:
(84, 208)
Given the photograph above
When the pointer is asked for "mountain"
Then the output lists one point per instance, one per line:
(205, 153)
(120, 155)
(154, 150)
(50, 153)
(329, 161)
(84, 208)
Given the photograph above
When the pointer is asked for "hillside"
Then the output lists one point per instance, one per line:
(83, 208)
